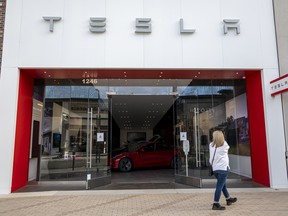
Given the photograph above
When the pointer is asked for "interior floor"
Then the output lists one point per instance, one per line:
(139, 179)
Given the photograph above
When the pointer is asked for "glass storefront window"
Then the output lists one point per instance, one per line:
(204, 108)
(132, 111)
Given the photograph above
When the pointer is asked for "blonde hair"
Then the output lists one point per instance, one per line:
(218, 138)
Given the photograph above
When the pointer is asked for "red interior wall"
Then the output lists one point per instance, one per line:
(23, 129)
(255, 106)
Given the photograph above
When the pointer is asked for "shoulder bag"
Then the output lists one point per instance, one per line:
(210, 167)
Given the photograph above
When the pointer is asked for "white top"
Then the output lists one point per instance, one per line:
(221, 159)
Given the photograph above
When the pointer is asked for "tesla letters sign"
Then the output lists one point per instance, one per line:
(142, 25)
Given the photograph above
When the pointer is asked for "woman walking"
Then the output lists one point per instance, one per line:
(220, 163)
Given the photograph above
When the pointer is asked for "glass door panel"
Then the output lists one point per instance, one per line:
(55, 159)
(75, 131)
(75, 148)
(203, 107)
(187, 139)
(97, 158)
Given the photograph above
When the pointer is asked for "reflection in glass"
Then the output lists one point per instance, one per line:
(207, 106)
(136, 111)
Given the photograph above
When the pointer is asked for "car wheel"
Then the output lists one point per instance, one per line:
(125, 165)
(176, 162)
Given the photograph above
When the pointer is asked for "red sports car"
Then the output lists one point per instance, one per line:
(154, 153)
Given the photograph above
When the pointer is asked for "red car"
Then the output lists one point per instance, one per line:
(154, 153)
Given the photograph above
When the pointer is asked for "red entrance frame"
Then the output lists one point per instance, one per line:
(258, 141)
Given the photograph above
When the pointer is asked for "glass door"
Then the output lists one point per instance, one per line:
(63, 155)
(75, 130)
(187, 131)
(203, 107)
(97, 150)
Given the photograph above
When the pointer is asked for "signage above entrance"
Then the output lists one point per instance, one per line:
(279, 85)
(143, 25)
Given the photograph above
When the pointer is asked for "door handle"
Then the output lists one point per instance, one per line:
(89, 137)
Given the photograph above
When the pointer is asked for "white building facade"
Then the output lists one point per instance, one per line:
(216, 39)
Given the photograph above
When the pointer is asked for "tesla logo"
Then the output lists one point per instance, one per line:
(279, 85)
(143, 25)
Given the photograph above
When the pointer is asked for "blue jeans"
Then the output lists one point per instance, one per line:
(221, 177)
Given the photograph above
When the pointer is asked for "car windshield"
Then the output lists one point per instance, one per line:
(119, 150)
(155, 138)
(135, 146)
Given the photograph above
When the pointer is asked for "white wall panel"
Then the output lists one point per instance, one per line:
(275, 133)
(244, 48)
(240, 165)
(73, 45)
(162, 48)
(79, 44)
(204, 47)
(268, 41)
(8, 110)
(38, 46)
(32, 173)
(123, 47)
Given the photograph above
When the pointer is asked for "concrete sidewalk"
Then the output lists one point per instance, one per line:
(251, 201)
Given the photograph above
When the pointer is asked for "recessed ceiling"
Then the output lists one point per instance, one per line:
(134, 73)
(140, 111)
